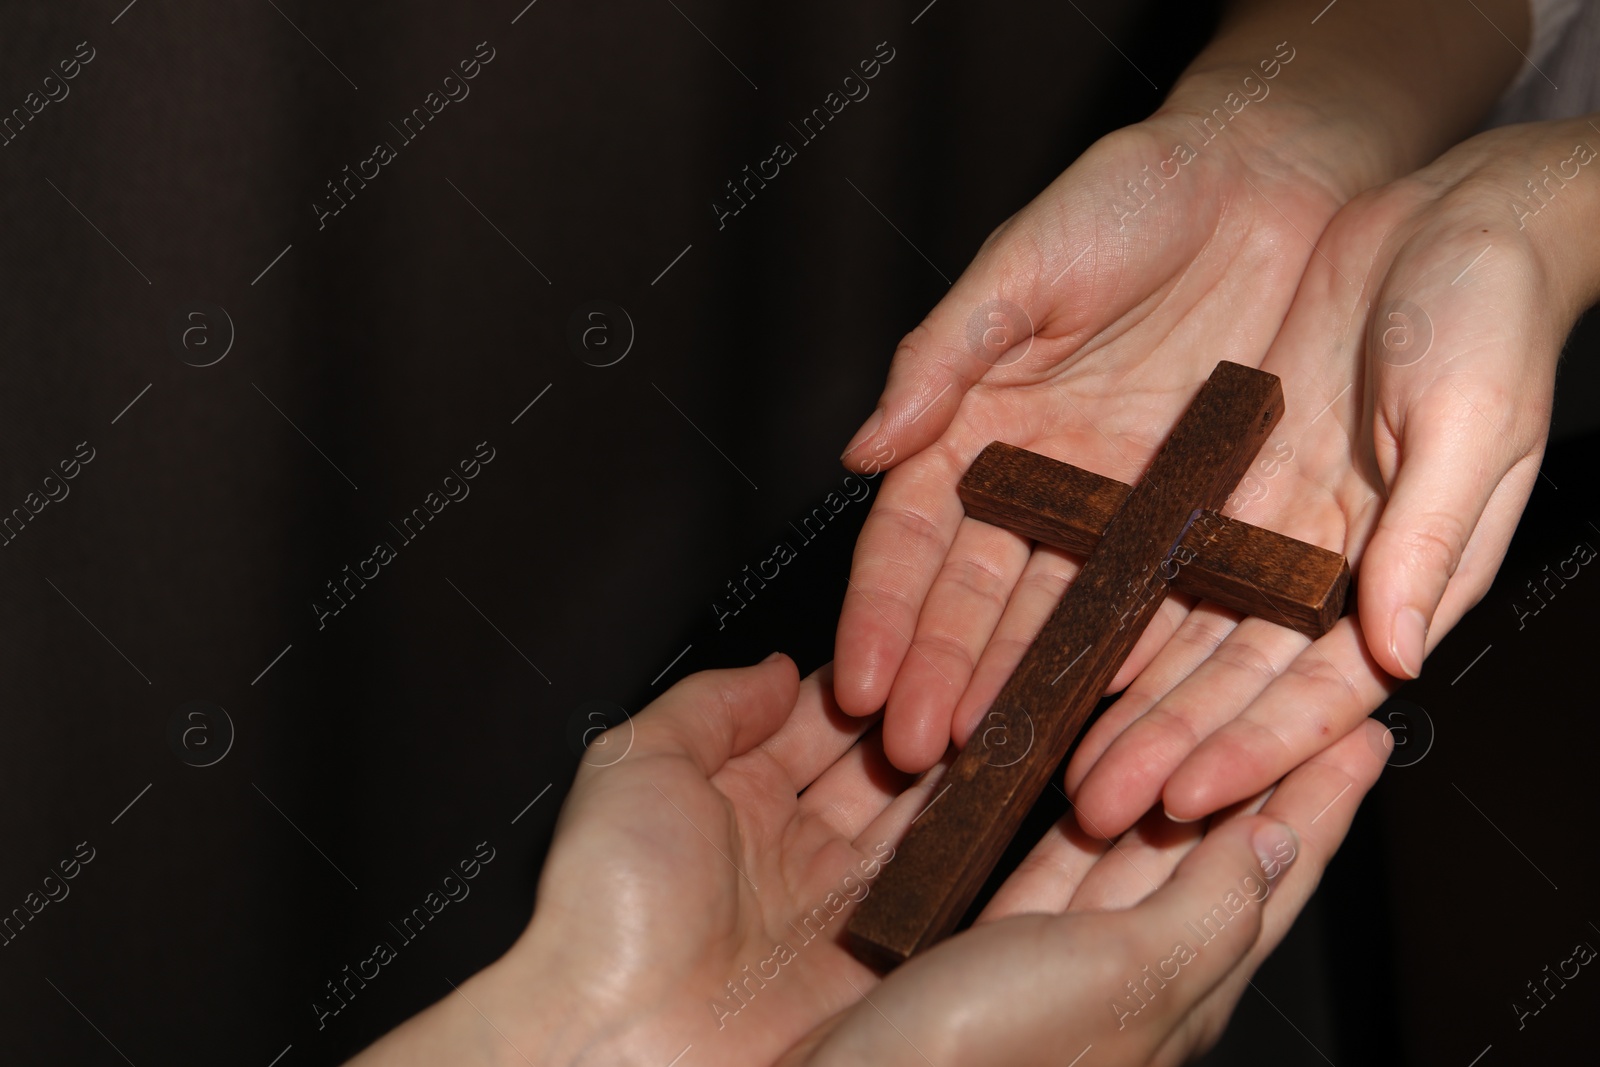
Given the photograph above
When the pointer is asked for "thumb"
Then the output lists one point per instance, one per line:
(1451, 461)
(713, 716)
(1217, 888)
(1211, 913)
(1463, 382)
(988, 319)
(1043, 284)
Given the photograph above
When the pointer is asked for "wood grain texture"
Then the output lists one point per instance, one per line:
(1246, 568)
(954, 843)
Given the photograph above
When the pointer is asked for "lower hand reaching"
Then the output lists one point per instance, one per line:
(696, 894)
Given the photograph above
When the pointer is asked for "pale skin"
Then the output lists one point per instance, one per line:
(1453, 372)
(746, 798)
(1265, 250)
(735, 780)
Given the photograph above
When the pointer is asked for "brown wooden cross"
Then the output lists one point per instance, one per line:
(1140, 542)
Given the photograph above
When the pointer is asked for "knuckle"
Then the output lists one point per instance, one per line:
(1047, 585)
(1323, 677)
(915, 344)
(1204, 636)
(1246, 659)
(1053, 867)
(1178, 719)
(1264, 743)
(883, 599)
(1142, 694)
(921, 351)
(1005, 651)
(1490, 400)
(895, 538)
(1434, 544)
(944, 643)
(979, 578)
(998, 234)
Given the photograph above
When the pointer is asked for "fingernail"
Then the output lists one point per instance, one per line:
(1409, 640)
(868, 428)
(1276, 847)
(1173, 818)
(769, 659)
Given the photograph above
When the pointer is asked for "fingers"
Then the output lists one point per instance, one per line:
(1043, 582)
(1318, 801)
(1301, 823)
(1128, 778)
(1137, 865)
(951, 350)
(713, 716)
(1059, 271)
(1073, 870)
(894, 821)
(1324, 694)
(1049, 874)
(1048, 979)
(1152, 963)
(1201, 925)
(905, 538)
(963, 606)
(815, 735)
(1217, 882)
(1190, 643)
(855, 790)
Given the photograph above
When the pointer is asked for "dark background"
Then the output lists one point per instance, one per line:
(379, 351)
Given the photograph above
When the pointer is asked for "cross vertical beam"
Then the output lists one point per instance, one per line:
(954, 845)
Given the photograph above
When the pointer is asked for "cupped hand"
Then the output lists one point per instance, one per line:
(737, 812)
(693, 906)
(1139, 951)
(1081, 330)
(1418, 362)
(743, 817)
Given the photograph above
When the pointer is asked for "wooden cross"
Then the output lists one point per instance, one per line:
(1141, 541)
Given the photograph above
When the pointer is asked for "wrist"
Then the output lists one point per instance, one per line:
(1275, 119)
(531, 1015)
(1374, 90)
(473, 1025)
(1554, 199)
(553, 1009)
(514, 1012)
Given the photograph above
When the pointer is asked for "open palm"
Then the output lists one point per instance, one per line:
(1081, 330)
(680, 868)
(1418, 363)
(693, 906)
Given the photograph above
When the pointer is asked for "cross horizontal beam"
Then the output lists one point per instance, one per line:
(1245, 568)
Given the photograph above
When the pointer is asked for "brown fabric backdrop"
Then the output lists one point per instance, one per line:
(376, 353)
